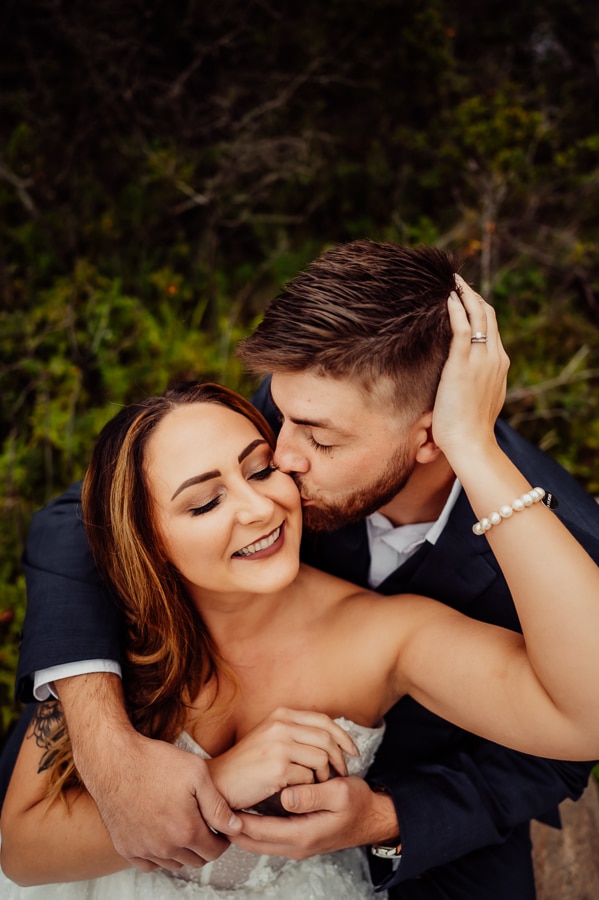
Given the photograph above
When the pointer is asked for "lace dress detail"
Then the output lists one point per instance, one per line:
(237, 874)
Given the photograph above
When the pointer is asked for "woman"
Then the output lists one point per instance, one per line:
(241, 654)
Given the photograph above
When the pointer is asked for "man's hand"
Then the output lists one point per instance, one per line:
(340, 813)
(158, 806)
(156, 800)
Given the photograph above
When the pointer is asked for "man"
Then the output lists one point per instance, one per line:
(355, 346)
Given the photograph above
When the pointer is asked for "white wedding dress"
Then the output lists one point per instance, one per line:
(236, 875)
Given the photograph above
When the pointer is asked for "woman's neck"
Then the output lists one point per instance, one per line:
(239, 619)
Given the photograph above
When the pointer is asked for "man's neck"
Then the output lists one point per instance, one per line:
(424, 496)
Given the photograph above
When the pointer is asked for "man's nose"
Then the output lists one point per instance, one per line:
(288, 457)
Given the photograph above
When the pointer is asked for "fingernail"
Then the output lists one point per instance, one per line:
(234, 821)
(291, 799)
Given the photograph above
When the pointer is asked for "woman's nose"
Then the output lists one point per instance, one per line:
(254, 506)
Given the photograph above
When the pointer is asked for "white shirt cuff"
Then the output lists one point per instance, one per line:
(43, 680)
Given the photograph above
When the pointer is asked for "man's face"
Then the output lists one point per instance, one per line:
(347, 453)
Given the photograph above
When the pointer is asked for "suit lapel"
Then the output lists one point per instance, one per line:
(343, 553)
(456, 570)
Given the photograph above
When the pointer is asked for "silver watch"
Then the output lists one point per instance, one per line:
(388, 850)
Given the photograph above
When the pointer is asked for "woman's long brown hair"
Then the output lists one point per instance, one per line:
(170, 653)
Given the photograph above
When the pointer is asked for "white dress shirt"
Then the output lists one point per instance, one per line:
(391, 545)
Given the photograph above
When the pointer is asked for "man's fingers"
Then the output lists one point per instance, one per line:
(216, 812)
(301, 798)
(305, 798)
(189, 856)
(182, 856)
(144, 865)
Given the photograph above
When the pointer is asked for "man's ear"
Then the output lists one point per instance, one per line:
(426, 449)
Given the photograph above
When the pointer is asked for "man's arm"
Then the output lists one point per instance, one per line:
(474, 799)
(70, 614)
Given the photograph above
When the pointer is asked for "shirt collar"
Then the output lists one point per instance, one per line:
(403, 537)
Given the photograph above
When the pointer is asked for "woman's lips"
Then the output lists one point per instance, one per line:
(263, 547)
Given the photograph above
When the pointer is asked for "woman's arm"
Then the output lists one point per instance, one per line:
(66, 840)
(537, 693)
(43, 843)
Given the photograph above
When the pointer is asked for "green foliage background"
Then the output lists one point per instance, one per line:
(164, 166)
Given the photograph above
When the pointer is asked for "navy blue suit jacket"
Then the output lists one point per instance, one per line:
(463, 803)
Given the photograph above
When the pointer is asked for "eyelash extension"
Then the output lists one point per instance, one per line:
(200, 510)
(321, 448)
(265, 473)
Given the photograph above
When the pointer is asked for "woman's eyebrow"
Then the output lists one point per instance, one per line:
(214, 473)
(250, 448)
(196, 479)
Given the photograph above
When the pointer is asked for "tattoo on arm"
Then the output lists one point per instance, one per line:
(48, 727)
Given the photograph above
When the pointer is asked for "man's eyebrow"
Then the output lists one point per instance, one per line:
(314, 423)
(310, 423)
(214, 473)
(327, 424)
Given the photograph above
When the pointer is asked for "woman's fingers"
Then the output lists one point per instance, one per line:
(313, 740)
(477, 311)
(472, 388)
(321, 722)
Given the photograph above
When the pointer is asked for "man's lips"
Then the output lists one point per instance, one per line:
(264, 546)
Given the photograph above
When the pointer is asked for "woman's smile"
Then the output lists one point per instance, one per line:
(264, 546)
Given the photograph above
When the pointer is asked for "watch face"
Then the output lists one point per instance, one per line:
(386, 851)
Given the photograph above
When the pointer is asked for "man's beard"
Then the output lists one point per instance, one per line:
(355, 507)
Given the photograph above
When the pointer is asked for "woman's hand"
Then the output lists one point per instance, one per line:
(288, 747)
(473, 382)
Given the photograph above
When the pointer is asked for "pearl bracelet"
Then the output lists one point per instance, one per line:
(506, 511)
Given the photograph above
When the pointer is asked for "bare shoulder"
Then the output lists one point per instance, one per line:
(348, 596)
(368, 622)
(369, 636)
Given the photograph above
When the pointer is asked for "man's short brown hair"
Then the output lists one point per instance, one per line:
(374, 313)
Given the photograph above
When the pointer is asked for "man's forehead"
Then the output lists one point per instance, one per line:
(322, 401)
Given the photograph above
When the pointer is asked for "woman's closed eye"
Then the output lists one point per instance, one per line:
(206, 507)
(260, 475)
(264, 473)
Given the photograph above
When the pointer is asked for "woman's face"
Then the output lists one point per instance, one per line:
(230, 521)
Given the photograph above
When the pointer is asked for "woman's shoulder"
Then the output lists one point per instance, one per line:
(350, 604)
(387, 619)
(331, 589)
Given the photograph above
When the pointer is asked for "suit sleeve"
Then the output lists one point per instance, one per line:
(70, 615)
(470, 800)
(262, 400)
